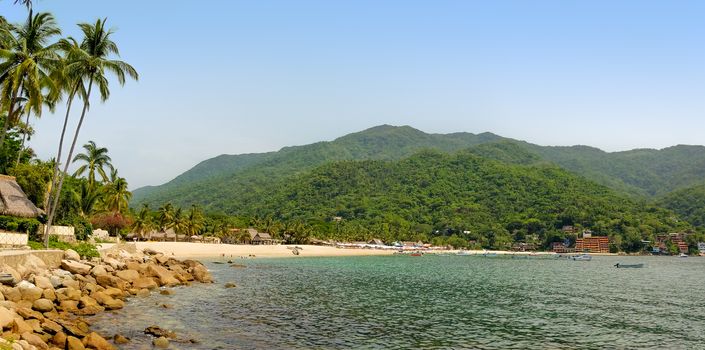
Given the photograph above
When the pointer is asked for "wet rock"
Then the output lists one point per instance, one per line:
(143, 293)
(167, 306)
(43, 305)
(238, 266)
(161, 343)
(166, 292)
(95, 341)
(75, 267)
(164, 276)
(201, 274)
(159, 332)
(71, 254)
(120, 339)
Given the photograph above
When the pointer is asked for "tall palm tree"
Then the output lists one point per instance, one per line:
(28, 63)
(87, 197)
(96, 159)
(194, 221)
(143, 221)
(89, 63)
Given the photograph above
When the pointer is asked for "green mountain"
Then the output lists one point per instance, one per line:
(688, 203)
(218, 182)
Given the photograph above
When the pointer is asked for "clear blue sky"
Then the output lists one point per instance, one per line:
(252, 76)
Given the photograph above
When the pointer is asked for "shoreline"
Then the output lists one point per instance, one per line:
(189, 250)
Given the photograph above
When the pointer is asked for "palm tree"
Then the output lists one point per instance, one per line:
(87, 197)
(116, 196)
(194, 221)
(179, 222)
(165, 214)
(96, 159)
(29, 63)
(143, 221)
(89, 62)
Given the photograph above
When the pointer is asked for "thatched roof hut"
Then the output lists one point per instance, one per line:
(13, 201)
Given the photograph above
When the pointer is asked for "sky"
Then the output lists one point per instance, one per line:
(231, 77)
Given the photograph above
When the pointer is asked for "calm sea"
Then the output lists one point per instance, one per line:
(442, 302)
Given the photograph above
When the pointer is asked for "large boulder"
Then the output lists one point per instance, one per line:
(71, 254)
(15, 274)
(95, 341)
(73, 343)
(165, 277)
(31, 293)
(107, 281)
(33, 264)
(114, 263)
(98, 270)
(34, 340)
(75, 267)
(201, 274)
(7, 317)
(11, 293)
(128, 275)
(145, 283)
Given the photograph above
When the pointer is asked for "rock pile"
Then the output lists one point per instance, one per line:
(43, 308)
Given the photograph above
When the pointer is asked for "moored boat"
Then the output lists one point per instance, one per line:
(633, 266)
(582, 257)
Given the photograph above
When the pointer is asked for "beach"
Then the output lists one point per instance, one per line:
(205, 250)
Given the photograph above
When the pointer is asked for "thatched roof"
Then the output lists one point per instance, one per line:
(13, 201)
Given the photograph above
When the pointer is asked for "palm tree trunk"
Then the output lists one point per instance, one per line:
(24, 138)
(61, 175)
(57, 161)
(10, 111)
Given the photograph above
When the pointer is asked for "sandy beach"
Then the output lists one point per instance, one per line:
(204, 250)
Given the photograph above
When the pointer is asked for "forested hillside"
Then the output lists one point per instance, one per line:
(688, 203)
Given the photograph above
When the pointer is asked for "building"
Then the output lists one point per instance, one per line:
(260, 237)
(597, 244)
(678, 239)
(14, 202)
(561, 248)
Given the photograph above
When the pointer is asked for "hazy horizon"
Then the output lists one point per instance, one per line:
(248, 77)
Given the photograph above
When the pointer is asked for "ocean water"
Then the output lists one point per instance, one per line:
(430, 302)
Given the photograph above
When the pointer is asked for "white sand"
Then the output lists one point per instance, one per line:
(204, 250)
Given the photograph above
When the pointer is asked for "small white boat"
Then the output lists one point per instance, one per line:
(683, 255)
(582, 257)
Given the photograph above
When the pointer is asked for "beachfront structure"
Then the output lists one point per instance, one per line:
(589, 244)
(62, 233)
(259, 237)
(13, 201)
(678, 239)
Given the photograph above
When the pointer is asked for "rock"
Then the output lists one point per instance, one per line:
(112, 281)
(49, 294)
(43, 305)
(21, 326)
(166, 292)
(114, 292)
(120, 339)
(36, 325)
(27, 313)
(51, 327)
(15, 274)
(145, 283)
(12, 294)
(201, 274)
(98, 270)
(230, 285)
(89, 310)
(128, 275)
(25, 285)
(70, 282)
(73, 343)
(114, 263)
(59, 339)
(165, 277)
(33, 264)
(69, 305)
(87, 301)
(239, 266)
(6, 317)
(161, 343)
(161, 259)
(159, 332)
(167, 306)
(75, 267)
(95, 341)
(56, 281)
(35, 340)
(150, 251)
(68, 293)
(72, 327)
(143, 293)
(31, 294)
(71, 254)
(43, 282)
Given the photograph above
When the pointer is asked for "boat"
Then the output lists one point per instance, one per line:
(416, 254)
(683, 255)
(625, 266)
(582, 257)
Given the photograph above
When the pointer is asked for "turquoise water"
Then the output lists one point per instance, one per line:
(454, 302)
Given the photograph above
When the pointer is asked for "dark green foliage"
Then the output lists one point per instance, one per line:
(688, 203)
(34, 180)
(15, 224)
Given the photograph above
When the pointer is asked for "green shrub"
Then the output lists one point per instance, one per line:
(15, 224)
(83, 249)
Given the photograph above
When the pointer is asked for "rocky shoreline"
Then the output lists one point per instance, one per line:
(44, 308)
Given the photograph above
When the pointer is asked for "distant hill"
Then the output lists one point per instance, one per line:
(216, 182)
